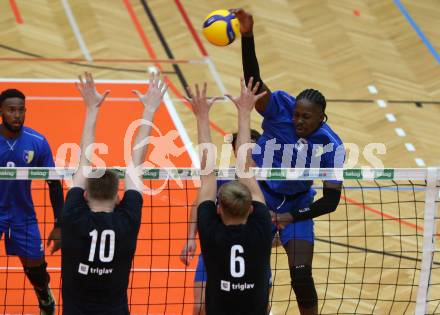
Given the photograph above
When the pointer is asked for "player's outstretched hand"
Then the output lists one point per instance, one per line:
(86, 86)
(156, 90)
(246, 21)
(248, 97)
(54, 240)
(200, 103)
(188, 251)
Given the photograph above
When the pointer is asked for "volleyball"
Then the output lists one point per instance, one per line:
(221, 27)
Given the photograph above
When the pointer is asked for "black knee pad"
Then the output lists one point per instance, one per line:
(38, 276)
(304, 286)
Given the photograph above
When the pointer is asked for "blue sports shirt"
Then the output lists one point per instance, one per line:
(321, 149)
(29, 149)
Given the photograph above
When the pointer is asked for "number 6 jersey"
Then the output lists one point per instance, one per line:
(237, 259)
(97, 252)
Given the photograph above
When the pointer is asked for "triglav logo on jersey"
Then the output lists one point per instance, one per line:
(28, 156)
(225, 285)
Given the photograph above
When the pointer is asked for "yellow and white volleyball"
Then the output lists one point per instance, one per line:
(221, 27)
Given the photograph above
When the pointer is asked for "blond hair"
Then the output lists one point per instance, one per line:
(235, 199)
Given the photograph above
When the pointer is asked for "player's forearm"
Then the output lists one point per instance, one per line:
(192, 226)
(204, 137)
(249, 59)
(327, 204)
(208, 185)
(138, 154)
(88, 136)
(243, 137)
(56, 199)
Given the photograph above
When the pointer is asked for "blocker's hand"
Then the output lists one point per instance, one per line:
(54, 240)
(188, 251)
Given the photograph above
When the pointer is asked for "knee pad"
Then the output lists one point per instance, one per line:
(304, 286)
(38, 276)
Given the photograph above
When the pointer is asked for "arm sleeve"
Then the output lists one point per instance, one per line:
(56, 199)
(249, 60)
(328, 203)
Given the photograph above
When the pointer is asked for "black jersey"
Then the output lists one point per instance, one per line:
(97, 253)
(237, 259)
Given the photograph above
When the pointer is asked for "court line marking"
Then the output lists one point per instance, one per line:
(179, 126)
(167, 102)
(417, 29)
(381, 103)
(410, 147)
(382, 214)
(76, 30)
(151, 52)
(16, 12)
(420, 162)
(54, 80)
(10, 268)
(400, 132)
(372, 89)
(390, 117)
(104, 60)
(212, 68)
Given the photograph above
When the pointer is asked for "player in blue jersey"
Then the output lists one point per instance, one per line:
(188, 251)
(21, 146)
(295, 134)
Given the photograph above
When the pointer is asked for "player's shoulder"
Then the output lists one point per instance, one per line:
(32, 135)
(282, 96)
(325, 135)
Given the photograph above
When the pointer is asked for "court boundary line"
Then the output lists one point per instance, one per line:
(211, 66)
(16, 12)
(181, 129)
(417, 29)
(10, 268)
(147, 45)
(166, 101)
(76, 31)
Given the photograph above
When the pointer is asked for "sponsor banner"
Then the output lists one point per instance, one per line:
(38, 174)
(8, 174)
(353, 173)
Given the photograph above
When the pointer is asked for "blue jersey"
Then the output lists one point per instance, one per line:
(321, 149)
(29, 149)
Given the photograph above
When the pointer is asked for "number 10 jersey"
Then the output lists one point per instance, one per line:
(97, 253)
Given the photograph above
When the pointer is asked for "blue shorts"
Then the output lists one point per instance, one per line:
(201, 275)
(301, 230)
(22, 240)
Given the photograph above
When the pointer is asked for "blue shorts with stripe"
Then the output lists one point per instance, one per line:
(301, 230)
(22, 240)
(201, 275)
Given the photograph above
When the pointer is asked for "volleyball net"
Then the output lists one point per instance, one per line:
(378, 253)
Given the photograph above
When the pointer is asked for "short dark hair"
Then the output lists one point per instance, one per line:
(103, 188)
(235, 199)
(10, 93)
(254, 137)
(315, 97)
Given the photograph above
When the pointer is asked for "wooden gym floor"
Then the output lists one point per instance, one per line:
(381, 77)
